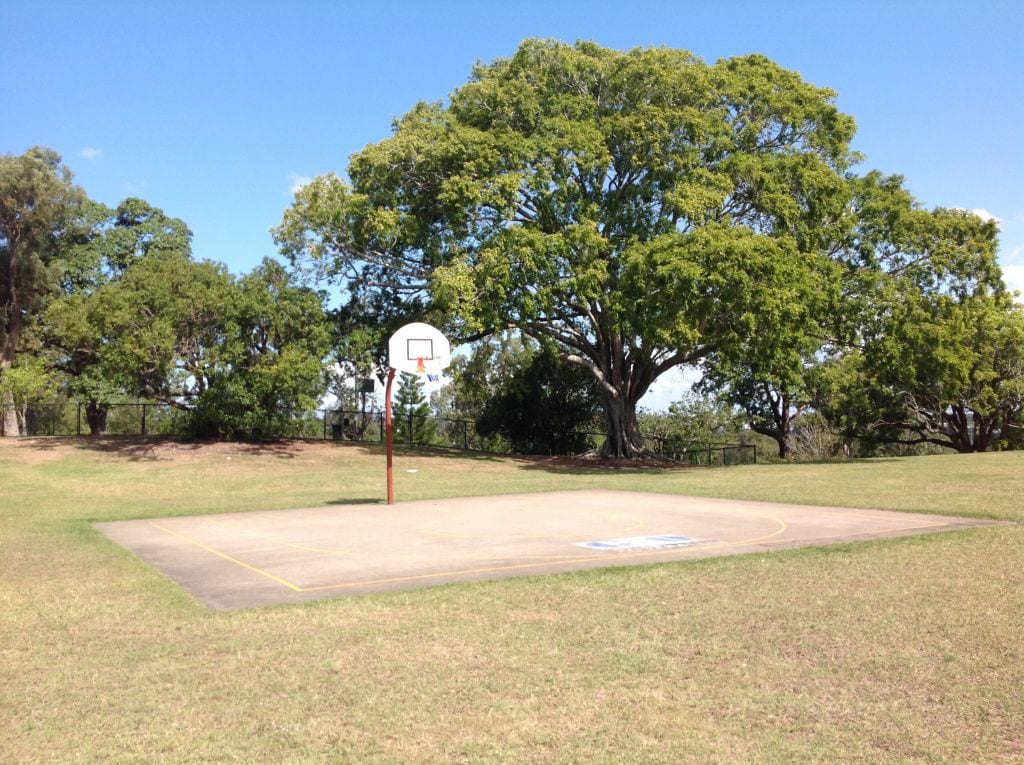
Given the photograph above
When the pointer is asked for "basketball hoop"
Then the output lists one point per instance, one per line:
(417, 349)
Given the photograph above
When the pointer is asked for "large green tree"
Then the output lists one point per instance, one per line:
(934, 352)
(83, 341)
(38, 204)
(163, 324)
(263, 363)
(640, 209)
(943, 370)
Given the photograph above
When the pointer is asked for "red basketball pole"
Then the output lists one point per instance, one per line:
(387, 429)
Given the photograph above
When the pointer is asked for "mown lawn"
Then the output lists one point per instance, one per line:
(907, 650)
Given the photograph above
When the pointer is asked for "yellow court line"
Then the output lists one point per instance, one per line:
(275, 540)
(226, 557)
(460, 572)
(874, 534)
(554, 560)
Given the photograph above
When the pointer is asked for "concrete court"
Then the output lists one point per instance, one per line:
(241, 560)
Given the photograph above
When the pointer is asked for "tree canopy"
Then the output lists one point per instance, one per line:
(641, 209)
(615, 214)
(84, 330)
(38, 205)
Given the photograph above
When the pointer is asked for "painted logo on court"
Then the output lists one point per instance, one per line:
(654, 542)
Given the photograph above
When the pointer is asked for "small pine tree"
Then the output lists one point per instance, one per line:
(411, 405)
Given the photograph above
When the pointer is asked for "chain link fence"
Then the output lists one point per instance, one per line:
(144, 418)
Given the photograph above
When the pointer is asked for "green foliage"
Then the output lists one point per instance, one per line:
(110, 240)
(937, 353)
(480, 375)
(240, 357)
(26, 382)
(135, 316)
(941, 371)
(697, 418)
(640, 209)
(411, 415)
(906, 338)
(546, 406)
(266, 361)
(90, 328)
(38, 204)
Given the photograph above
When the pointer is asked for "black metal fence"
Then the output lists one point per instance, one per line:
(141, 418)
(157, 419)
(699, 453)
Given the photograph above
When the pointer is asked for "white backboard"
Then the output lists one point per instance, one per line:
(419, 348)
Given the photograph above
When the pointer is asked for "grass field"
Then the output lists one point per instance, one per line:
(907, 650)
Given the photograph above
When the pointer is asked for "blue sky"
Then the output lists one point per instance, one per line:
(214, 110)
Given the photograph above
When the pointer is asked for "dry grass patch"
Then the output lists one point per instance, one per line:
(908, 650)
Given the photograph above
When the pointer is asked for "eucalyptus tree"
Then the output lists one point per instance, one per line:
(640, 209)
(38, 203)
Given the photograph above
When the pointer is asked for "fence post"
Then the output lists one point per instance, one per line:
(78, 427)
(325, 424)
(465, 435)
(410, 428)
(143, 419)
(380, 425)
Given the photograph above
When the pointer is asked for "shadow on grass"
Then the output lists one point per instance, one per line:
(162, 448)
(356, 501)
(553, 464)
(167, 448)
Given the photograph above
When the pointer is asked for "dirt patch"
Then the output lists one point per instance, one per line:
(35, 451)
(147, 448)
(138, 448)
(602, 463)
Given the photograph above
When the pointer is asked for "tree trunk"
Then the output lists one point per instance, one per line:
(783, 447)
(966, 430)
(785, 429)
(623, 434)
(96, 416)
(8, 353)
(9, 420)
(8, 412)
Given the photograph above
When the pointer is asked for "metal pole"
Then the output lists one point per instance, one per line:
(143, 419)
(78, 427)
(387, 422)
